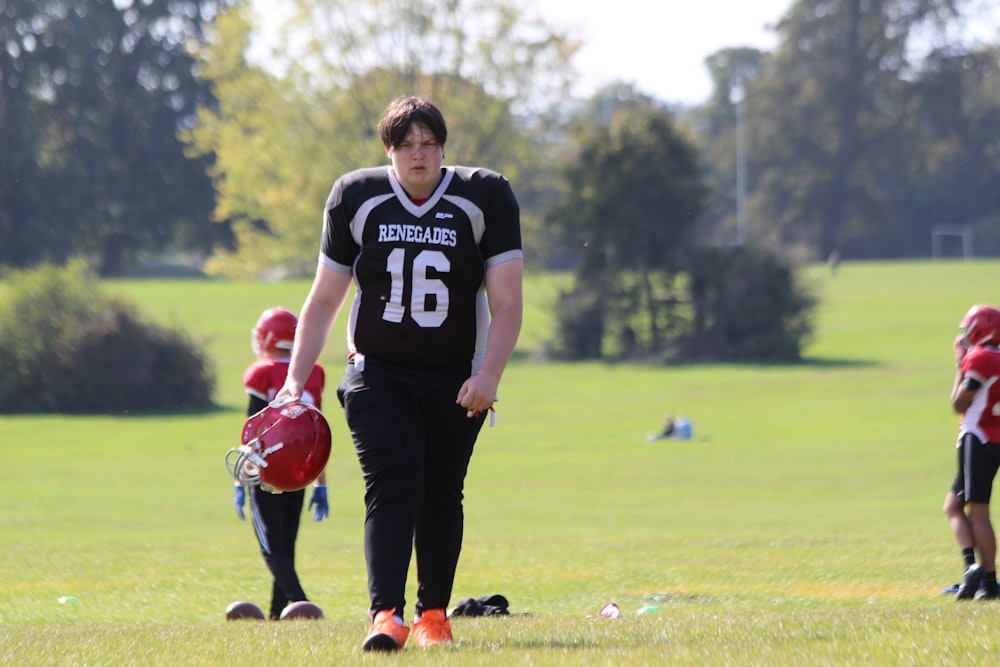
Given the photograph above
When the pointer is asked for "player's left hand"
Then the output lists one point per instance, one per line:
(320, 501)
(478, 393)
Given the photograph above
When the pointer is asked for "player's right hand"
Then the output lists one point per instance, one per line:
(961, 346)
(289, 393)
(240, 499)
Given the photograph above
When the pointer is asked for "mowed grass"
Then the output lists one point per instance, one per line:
(802, 525)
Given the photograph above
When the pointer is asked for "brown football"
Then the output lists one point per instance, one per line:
(301, 609)
(240, 610)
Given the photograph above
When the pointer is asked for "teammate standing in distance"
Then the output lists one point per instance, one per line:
(276, 515)
(435, 254)
(976, 396)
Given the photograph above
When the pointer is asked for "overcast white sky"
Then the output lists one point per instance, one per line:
(661, 45)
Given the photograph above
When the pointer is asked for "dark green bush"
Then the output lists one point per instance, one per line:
(70, 349)
(737, 304)
(748, 306)
(580, 314)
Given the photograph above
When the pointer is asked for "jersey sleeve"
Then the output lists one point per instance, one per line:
(502, 237)
(315, 384)
(257, 380)
(337, 248)
(981, 371)
(348, 205)
(972, 365)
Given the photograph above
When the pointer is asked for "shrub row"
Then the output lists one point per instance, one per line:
(68, 348)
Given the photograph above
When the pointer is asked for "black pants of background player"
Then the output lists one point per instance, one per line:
(276, 524)
(414, 444)
(978, 463)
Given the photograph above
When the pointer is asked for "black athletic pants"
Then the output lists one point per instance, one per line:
(414, 444)
(276, 524)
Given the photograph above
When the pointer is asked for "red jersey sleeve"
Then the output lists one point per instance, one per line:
(264, 378)
(982, 417)
(261, 380)
(314, 385)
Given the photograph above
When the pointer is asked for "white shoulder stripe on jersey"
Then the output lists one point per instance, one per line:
(496, 260)
(476, 216)
(358, 221)
(335, 266)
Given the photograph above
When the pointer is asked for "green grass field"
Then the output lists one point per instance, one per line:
(802, 525)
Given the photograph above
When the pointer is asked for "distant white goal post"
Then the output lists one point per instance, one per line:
(962, 232)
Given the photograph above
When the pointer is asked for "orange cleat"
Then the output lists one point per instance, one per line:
(432, 628)
(386, 634)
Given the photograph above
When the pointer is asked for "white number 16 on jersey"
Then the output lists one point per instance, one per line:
(421, 287)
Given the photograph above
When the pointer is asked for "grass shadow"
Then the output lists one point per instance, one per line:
(202, 411)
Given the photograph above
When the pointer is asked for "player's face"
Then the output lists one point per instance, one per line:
(417, 161)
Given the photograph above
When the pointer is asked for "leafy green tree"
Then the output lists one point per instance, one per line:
(263, 134)
(498, 46)
(954, 174)
(634, 191)
(833, 98)
(283, 133)
(27, 191)
(94, 92)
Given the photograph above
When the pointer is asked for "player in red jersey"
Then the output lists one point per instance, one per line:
(434, 253)
(976, 396)
(276, 515)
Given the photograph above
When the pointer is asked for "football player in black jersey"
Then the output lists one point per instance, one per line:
(434, 254)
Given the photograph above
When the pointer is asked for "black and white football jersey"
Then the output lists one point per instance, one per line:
(419, 269)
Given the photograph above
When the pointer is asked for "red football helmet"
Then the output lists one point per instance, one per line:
(275, 330)
(981, 325)
(285, 448)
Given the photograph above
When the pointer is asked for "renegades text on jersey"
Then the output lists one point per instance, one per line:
(982, 417)
(419, 269)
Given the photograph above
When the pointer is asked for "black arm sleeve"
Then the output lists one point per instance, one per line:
(256, 405)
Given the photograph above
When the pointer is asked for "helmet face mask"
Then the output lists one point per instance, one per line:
(285, 448)
(275, 330)
(981, 325)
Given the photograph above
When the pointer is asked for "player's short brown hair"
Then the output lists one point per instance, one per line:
(403, 112)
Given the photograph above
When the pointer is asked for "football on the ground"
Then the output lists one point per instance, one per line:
(301, 609)
(240, 610)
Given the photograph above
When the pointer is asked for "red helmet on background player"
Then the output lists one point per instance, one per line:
(285, 448)
(981, 325)
(275, 330)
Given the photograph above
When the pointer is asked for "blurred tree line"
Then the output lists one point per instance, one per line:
(92, 94)
(136, 126)
(872, 123)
